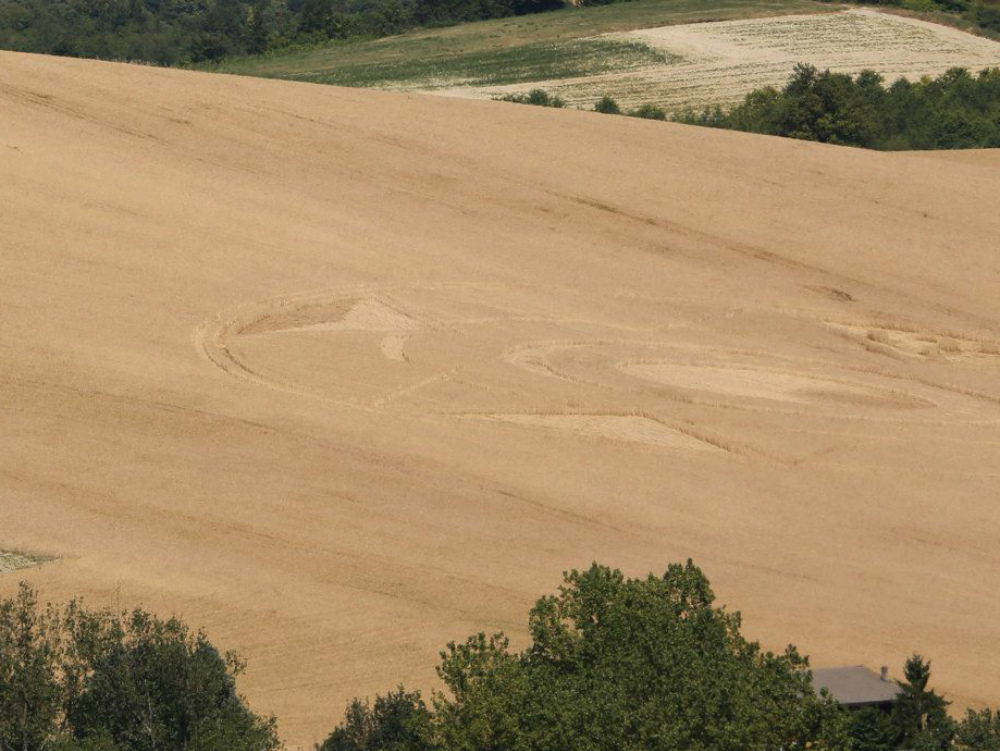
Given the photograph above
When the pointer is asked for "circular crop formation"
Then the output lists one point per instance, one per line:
(384, 349)
(721, 376)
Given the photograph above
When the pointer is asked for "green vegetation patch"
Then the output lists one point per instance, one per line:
(544, 61)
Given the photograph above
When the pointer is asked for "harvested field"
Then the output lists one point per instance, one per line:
(343, 375)
(718, 63)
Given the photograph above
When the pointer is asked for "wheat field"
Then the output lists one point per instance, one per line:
(343, 375)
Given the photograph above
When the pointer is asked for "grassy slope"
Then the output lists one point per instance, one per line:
(519, 49)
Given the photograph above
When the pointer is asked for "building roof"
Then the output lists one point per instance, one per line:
(855, 686)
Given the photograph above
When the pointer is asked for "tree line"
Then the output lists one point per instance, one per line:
(957, 110)
(614, 664)
(180, 32)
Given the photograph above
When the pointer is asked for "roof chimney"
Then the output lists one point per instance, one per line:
(885, 672)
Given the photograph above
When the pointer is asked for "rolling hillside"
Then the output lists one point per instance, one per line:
(676, 54)
(520, 51)
(343, 375)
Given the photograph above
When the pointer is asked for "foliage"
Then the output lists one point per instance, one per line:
(182, 32)
(978, 731)
(203, 32)
(982, 14)
(398, 721)
(607, 106)
(79, 680)
(171, 32)
(30, 692)
(955, 110)
(625, 665)
(164, 32)
(918, 720)
(538, 97)
(648, 112)
(919, 714)
(873, 730)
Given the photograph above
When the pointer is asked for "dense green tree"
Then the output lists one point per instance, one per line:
(179, 32)
(919, 713)
(398, 721)
(150, 685)
(30, 692)
(978, 731)
(873, 730)
(986, 15)
(79, 680)
(258, 29)
(956, 110)
(619, 664)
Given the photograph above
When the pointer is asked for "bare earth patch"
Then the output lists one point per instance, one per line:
(719, 63)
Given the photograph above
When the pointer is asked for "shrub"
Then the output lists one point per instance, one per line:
(538, 97)
(607, 106)
(649, 112)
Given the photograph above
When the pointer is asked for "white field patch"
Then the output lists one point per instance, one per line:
(719, 63)
(10, 561)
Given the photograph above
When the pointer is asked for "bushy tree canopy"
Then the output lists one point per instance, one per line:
(919, 713)
(537, 97)
(398, 721)
(620, 664)
(956, 110)
(607, 106)
(78, 680)
(979, 731)
(179, 32)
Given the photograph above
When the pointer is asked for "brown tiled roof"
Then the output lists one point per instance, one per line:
(853, 686)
